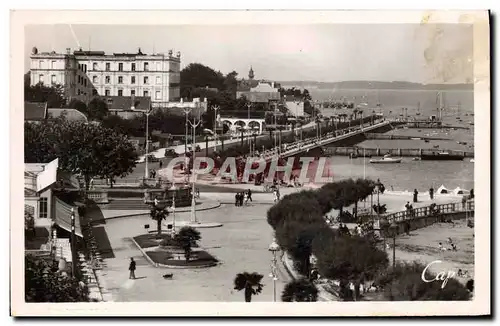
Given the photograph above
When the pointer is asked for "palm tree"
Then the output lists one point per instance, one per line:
(158, 214)
(186, 239)
(250, 282)
(300, 290)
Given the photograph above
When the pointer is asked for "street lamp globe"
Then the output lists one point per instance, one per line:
(274, 247)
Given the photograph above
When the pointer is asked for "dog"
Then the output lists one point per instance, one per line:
(168, 276)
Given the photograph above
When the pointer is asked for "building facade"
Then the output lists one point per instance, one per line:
(93, 73)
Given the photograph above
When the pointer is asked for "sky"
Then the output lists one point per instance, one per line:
(322, 52)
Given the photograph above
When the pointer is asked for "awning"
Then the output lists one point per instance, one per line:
(63, 216)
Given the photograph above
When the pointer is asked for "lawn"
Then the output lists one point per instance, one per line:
(164, 257)
(151, 240)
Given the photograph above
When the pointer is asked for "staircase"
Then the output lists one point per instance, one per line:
(125, 204)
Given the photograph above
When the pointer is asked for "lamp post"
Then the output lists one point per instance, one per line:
(147, 144)
(274, 248)
(186, 167)
(73, 237)
(215, 108)
(194, 125)
(174, 189)
(394, 232)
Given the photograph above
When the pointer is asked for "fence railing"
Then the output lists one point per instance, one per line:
(431, 210)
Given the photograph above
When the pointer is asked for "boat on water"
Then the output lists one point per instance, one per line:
(441, 156)
(386, 159)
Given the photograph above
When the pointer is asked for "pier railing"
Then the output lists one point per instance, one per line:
(413, 152)
(432, 210)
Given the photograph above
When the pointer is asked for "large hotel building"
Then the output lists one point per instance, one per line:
(85, 74)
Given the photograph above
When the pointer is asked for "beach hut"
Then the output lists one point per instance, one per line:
(442, 190)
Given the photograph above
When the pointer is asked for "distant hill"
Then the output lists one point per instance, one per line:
(376, 85)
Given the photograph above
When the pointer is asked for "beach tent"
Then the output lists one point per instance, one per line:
(460, 191)
(443, 190)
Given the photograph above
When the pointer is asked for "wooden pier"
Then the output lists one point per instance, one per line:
(395, 137)
(401, 152)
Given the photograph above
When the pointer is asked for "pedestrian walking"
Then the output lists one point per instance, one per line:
(249, 193)
(431, 193)
(131, 268)
(415, 196)
(236, 199)
(160, 164)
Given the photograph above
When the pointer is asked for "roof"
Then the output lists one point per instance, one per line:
(35, 111)
(69, 114)
(260, 97)
(125, 103)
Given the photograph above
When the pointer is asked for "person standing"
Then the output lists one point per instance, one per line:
(236, 199)
(415, 196)
(131, 268)
(431, 193)
(242, 197)
(160, 164)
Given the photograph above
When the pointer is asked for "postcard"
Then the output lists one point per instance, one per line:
(250, 163)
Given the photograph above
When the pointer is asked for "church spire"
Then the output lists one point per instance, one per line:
(250, 73)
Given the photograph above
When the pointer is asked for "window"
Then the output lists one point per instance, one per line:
(40, 64)
(94, 66)
(53, 79)
(108, 66)
(120, 92)
(108, 79)
(79, 92)
(40, 79)
(133, 66)
(146, 79)
(53, 65)
(146, 93)
(110, 101)
(158, 80)
(120, 79)
(158, 66)
(106, 92)
(84, 68)
(132, 92)
(94, 92)
(43, 207)
(146, 66)
(120, 66)
(79, 78)
(94, 79)
(85, 82)
(158, 95)
(132, 80)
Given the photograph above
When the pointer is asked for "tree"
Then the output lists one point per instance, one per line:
(404, 283)
(81, 148)
(78, 105)
(44, 283)
(187, 238)
(159, 214)
(250, 283)
(97, 109)
(54, 95)
(348, 259)
(300, 290)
